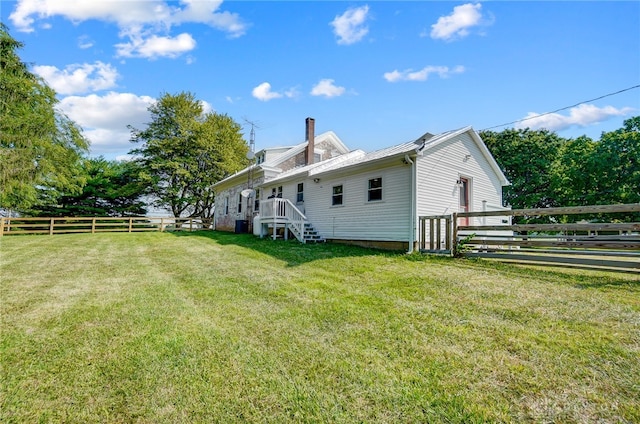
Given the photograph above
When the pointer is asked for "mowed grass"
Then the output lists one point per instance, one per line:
(211, 327)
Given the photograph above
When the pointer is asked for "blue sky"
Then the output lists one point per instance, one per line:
(377, 73)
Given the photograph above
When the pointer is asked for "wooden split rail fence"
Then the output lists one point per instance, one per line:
(602, 240)
(51, 226)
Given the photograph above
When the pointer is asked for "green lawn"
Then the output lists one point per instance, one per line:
(209, 327)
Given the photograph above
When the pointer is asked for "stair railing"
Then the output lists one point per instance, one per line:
(283, 209)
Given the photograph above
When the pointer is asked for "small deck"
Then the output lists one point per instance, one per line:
(279, 213)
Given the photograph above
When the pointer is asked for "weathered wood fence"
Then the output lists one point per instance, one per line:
(51, 226)
(594, 243)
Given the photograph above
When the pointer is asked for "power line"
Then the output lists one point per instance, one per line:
(562, 108)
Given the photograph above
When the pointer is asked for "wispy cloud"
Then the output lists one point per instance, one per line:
(327, 88)
(79, 78)
(146, 24)
(580, 116)
(154, 46)
(458, 23)
(350, 27)
(85, 42)
(422, 74)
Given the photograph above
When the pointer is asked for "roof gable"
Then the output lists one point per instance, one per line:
(273, 164)
(417, 147)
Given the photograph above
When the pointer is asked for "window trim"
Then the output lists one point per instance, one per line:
(334, 196)
(371, 190)
(300, 193)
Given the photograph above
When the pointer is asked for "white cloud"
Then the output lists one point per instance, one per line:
(457, 24)
(423, 74)
(581, 116)
(263, 92)
(155, 46)
(105, 118)
(145, 23)
(206, 107)
(327, 88)
(350, 26)
(79, 78)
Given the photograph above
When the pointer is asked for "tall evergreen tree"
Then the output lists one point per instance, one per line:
(40, 148)
(112, 189)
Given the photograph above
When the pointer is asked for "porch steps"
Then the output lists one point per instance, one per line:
(311, 235)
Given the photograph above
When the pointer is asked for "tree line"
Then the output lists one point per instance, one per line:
(546, 170)
(45, 168)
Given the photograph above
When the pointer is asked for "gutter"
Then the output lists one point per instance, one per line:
(412, 215)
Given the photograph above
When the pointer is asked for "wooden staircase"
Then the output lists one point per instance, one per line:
(281, 213)
(311, 235)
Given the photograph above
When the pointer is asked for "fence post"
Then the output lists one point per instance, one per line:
(161, 224)
(423, 233)
(431, 241)
(51, 224)
(130, 224)
(448, 233)
(190, 224)
(454, 235)
(93, 225)
(1, 226)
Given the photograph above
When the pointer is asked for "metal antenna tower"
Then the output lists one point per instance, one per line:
(251, 155)
(252, 138)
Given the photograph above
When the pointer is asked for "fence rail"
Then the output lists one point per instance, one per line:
(66, 225)
(599, 245)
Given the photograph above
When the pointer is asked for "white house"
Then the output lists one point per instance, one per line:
(362, 198)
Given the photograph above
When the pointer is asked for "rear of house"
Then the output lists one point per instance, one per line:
(376, 199)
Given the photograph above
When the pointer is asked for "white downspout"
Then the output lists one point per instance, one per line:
(412, 215)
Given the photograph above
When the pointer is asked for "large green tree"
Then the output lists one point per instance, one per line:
(185, 151)
(526, 157)
(574, 182)
(112, 188)
(617, 164)
(40, 148)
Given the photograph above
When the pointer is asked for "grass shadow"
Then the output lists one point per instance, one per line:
(579, 277)
(292, 252)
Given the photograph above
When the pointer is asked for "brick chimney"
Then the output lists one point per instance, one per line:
(310, 139)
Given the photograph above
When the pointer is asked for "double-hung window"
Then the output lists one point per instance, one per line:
(239, 203)
(336, 197)
(256, 204)
(300, 195)
(375, 189)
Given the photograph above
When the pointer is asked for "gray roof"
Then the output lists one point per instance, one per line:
(359, 157)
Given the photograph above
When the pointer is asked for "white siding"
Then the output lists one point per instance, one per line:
(440, 168)
(358, 219)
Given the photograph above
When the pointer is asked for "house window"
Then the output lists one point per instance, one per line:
(317, 157)
(300, 195)
(375, 189)
(226, 205)
(279, 194)
(239, 203)
(336, 198)
(256, 204)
